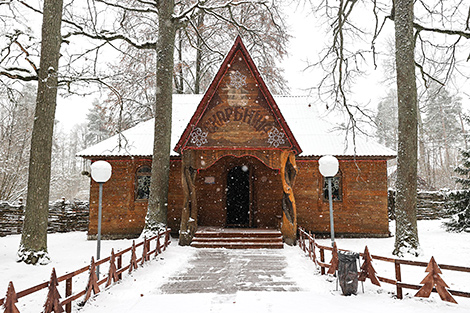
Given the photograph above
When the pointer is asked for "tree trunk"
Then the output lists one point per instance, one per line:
(199, 44)
(179, 81)
(158, 200)
(33, 247)
(406, 238)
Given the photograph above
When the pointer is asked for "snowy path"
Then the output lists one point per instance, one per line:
(229, 271)
(217, 280)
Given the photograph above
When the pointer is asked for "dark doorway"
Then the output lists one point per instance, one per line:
(238, 197)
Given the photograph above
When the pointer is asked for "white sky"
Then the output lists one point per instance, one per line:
(305, 45)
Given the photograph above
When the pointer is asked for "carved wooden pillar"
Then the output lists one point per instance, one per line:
(189, 213)
(289, 216)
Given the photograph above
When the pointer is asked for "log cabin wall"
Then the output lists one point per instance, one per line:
(363, 209)
(265, 193)
(122, 215)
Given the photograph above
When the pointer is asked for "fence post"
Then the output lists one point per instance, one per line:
(398, 278)
(119, 265)
(68, 293)
(309, 247)
(158, 249)
(167, 239)
(322, 259)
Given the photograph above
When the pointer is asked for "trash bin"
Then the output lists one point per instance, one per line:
(347, 272)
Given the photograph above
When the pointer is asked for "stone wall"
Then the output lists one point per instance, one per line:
(431, 205)
(64, 216)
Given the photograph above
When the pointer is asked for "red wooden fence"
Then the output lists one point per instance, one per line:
(308, 244)
(115, 273)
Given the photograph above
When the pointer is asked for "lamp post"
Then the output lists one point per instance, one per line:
(100, 172)
(328, 166)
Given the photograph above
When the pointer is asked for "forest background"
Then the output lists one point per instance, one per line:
(92, 113)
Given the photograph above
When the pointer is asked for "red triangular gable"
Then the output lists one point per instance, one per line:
(237, 111)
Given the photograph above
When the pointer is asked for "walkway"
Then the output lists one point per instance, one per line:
(228, 271)
(186, 279)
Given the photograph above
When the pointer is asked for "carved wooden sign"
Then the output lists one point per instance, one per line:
(238, 114)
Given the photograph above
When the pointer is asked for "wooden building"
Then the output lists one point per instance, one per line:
(243, 158)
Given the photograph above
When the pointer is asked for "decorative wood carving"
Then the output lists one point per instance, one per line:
(433, 279)
(53, 297)
(311, 250)
(334, 261)
(10, 300)
(289, 219)
(237, 111)
(92, 281)
(367, 270)
(158, 249)
(112, 275)
(133, 262)
(189, 213)
(145, 251)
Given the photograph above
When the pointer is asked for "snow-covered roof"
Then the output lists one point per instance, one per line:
(315, 129)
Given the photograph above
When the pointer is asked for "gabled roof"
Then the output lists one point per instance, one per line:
(212, 98)
(316, 129)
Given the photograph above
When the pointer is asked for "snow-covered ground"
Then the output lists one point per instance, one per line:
(139, 292)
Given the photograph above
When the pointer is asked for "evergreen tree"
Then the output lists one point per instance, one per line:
(387, 120)
(460, 200)
(442, 134)
(442, 118)
(98, 129)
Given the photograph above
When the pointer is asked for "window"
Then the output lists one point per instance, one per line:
(336, 187)
(143, 183)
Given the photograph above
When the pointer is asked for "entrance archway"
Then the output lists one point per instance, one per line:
(238, 197)
(228, 196)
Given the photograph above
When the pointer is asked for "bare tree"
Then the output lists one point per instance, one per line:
(135, 19)
(201, 43)
(435, 28)
(16, 119)
(33, 247)
(406, 236)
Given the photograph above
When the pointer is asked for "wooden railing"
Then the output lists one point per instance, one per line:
(308, 244)
(114, 274)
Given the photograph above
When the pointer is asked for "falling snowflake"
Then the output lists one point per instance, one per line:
(237, 80)
(276, 138)
(198, 137)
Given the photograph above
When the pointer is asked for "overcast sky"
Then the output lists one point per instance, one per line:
(305, 45)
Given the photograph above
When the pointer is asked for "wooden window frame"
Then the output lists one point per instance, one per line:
(324, 185)
(139, 174)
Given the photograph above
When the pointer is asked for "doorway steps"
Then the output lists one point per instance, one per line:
(237, 238)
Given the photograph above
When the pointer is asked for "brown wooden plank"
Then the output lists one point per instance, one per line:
(459, 293)
(454, 268)
(121, 270)
(382, 258)
(32, 289)
(72, 274)
(408, 286)
(73, 297)
(415, 263)
(387, 280)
